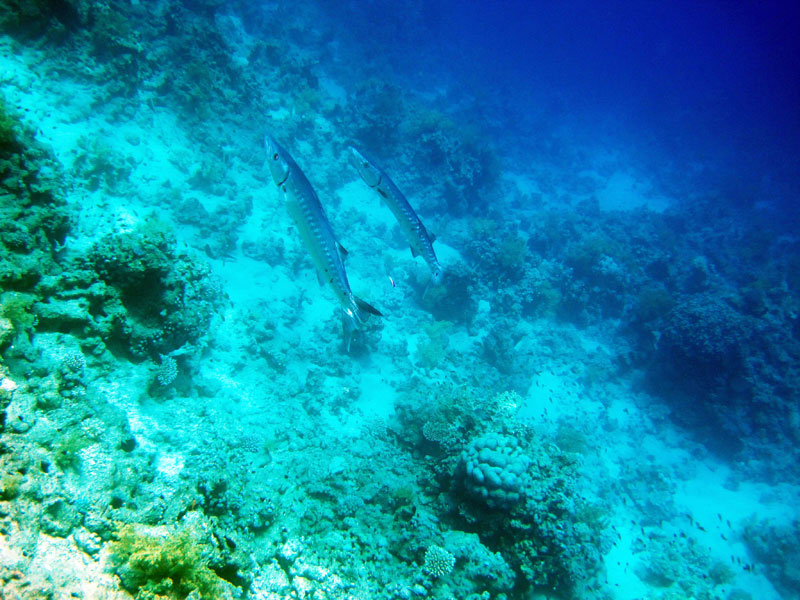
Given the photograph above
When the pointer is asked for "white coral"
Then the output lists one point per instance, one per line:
(438, 561)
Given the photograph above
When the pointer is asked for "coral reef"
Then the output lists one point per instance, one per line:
(777, 548)
(517, 494)
(703, 339)
(203, 447)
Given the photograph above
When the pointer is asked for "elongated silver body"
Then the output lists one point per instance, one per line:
(303, 206)
(419, 239)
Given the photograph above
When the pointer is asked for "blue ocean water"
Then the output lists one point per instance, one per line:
(379, 300)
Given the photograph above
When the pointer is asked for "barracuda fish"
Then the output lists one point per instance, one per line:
(315, 230)
(419, 239)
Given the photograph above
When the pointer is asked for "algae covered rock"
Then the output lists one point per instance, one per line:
(33, 224)
(133, 261)
(59, 518)
(703, 341)
(31, 206)
(156, 300)
(33, 19)
(10, 142)
(6, 331)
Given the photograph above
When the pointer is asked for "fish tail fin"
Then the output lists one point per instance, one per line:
(351, 321)
(349, 326)
(436, 279)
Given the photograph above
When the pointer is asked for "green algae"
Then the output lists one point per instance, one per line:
(9, 139)
(171, 567)
(66, 453)
(11, 486)
(432, 352)
(17, 308)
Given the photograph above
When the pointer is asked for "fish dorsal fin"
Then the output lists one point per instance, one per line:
(414, 253)
(342, 252)
(429, 235)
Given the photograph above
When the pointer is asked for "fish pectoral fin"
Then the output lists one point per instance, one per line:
(320, 278)
(342, 252)
(414, 253)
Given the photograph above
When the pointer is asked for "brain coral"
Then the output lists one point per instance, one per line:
(496, 469)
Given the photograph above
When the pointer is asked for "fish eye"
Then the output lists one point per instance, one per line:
(275, 156)
(365, 164)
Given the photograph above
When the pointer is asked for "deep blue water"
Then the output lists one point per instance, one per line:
(682, 81)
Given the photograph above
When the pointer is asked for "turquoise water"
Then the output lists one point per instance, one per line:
(596, 398)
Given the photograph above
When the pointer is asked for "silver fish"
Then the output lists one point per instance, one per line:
(315, 230)
(419, 239)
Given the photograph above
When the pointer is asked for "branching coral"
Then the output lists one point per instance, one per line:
(438, 561)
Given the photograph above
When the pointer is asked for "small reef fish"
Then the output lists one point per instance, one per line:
(419, 239)
(303, 205)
